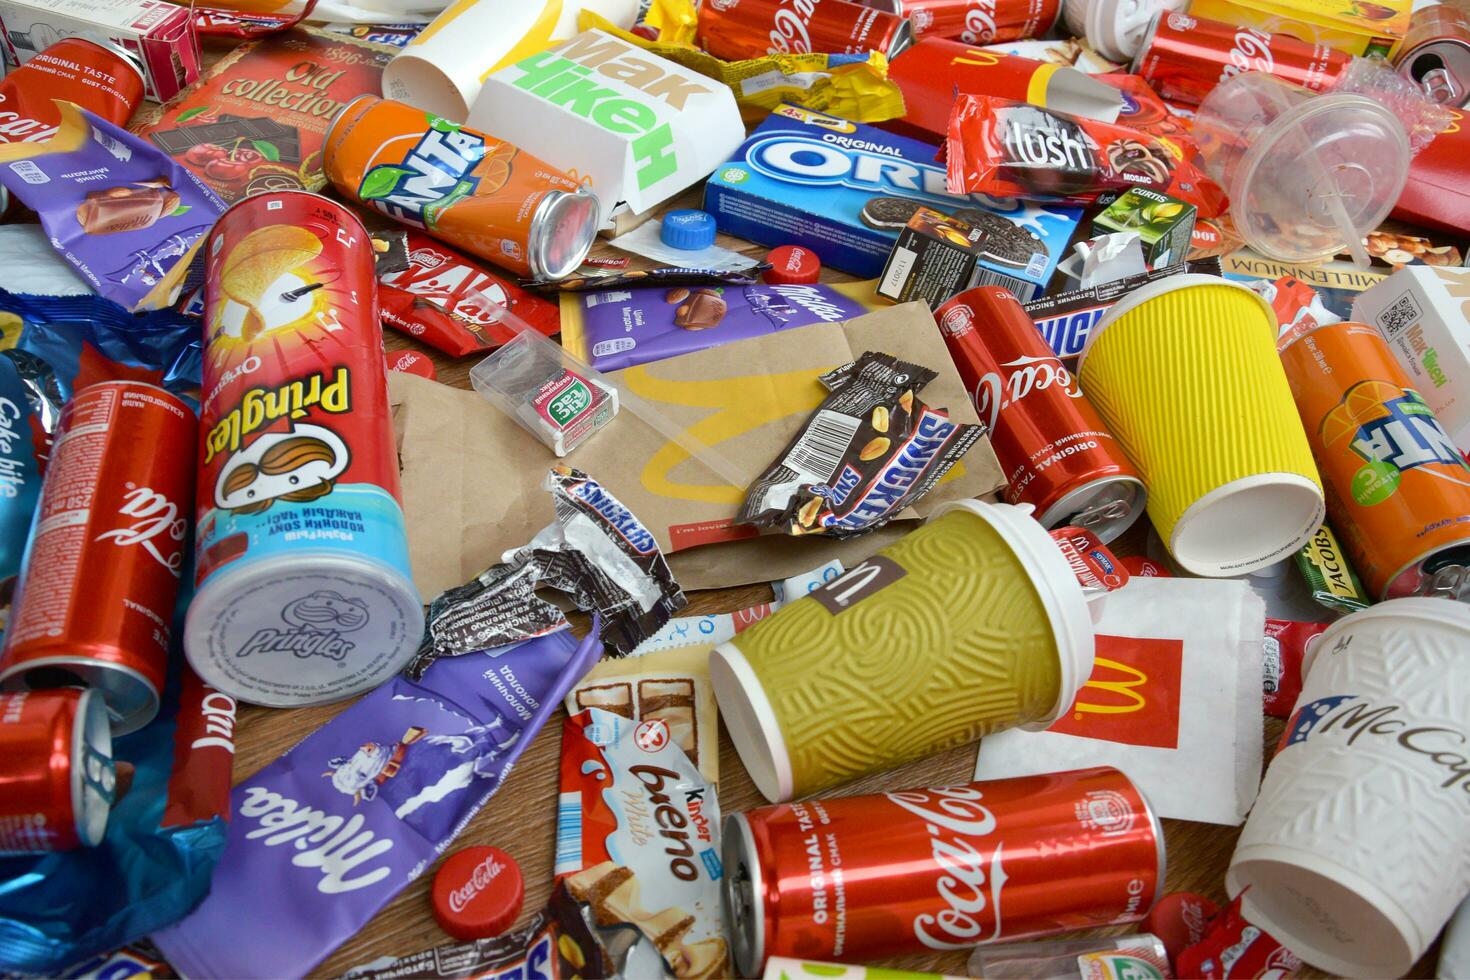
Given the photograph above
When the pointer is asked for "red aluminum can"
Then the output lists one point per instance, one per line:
(1435, 54)
(1184, 57)
(932, 870)
(739, 29)
(1054, 449)
(96, 598)
(56, 773)
(974, 21)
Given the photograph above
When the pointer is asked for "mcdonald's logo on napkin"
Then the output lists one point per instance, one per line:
(1132, 696)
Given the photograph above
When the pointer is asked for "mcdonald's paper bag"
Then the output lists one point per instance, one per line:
(1174, 701)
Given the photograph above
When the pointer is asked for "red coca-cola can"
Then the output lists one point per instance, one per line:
(974, 21)
(1184, 57)
(95, 601)
(739, 29)
(56, 773)
(932, 870)
(1054, 449)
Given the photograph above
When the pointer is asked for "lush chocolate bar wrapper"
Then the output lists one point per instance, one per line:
(325, 836)
(870, 449)
(128, 218)
(557, 943)
(620, 328)
(638, 843)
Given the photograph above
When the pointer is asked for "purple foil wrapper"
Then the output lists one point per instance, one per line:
(124, 214)
(624, 327)
(325, 836)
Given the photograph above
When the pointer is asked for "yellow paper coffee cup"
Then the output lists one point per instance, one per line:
(969, 625)
(1186, 375)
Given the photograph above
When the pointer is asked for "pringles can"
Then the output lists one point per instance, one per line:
(920, 871)
(1053, 448)
(1435, 54)
(974, 21)
(57, 777)
(304, 590)
(1183, 58)
(469, 189)
(96, 597)
(738, 29)
(1398, 491)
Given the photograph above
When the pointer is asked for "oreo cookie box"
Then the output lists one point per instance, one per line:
(845, 190)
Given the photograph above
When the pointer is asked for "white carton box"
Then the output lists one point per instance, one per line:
(639, 126)
(1422, 313)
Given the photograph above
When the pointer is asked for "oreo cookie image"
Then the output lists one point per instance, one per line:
(1006, 242)
(888, 213)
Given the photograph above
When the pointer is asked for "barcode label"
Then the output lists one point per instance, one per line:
(897, 273)
(117, 148)
(30, 173)
(1402, 314)
(1025, 291)
(820, 450)
(568, 834)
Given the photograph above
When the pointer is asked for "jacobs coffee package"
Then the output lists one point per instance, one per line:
(256, 122)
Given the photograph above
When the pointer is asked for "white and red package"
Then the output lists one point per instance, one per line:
(1283, 649)
(638, 843)
(1233, 949)
(452, 302)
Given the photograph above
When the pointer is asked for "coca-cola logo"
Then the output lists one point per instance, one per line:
(485, 872)
(158, 528)
(15, 128)
(970, 879)
(979, 23)
(1022, 376)
(1251, 51)
(789, 34)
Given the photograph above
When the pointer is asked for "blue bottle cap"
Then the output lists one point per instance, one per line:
(688, 230)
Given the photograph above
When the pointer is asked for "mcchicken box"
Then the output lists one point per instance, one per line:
(640, 127)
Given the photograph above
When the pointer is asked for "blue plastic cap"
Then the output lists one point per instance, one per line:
(688, 230)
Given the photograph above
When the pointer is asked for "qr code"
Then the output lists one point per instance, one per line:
(1402, 314)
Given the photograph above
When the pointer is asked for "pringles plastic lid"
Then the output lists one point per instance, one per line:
(792, 264)
(477, 893)
(688, 229)
(1308, 176)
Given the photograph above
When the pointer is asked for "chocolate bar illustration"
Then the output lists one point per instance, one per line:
(669, 699)
(612, 893)
(228, 131)
(128, 208)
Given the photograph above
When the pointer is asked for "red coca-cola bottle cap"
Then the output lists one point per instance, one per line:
(477, 893)
(409, 362)
(792, 264)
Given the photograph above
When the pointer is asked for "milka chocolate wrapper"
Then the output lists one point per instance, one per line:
(325, 836)
(620, 328)
(127, 217)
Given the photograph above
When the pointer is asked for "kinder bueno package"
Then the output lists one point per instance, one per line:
(639, 127)
(165, 833)
(158, 36)
(326, 835)
(256, 122)
(619, 328)
(638, 841)
(125, 216)
(453, 302)
(845, 190)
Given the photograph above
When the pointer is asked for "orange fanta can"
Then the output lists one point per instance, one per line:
(469, 189)
(1398, 491)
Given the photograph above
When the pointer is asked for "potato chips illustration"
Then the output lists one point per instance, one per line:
(259, 261)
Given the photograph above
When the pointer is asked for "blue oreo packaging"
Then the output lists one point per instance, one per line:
(845, 190)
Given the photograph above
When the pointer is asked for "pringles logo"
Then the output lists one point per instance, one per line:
(259, 407)
(1132, 696)
(434, 176)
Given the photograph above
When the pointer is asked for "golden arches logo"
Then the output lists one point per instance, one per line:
(1125, 689)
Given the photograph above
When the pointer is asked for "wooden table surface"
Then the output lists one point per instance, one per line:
(521, 817)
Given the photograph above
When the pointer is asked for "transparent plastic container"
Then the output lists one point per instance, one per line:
(1072, 959)
(1308, 175)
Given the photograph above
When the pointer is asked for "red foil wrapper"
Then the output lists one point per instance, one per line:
(738, 29)
(1184, 57)
(1285, 648)
(1233, 949)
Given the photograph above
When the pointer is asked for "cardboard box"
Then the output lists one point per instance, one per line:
(1164, 224)
(1421, 312)
(159, 36)
(1358, 27)
(1338, 282)
(640, 127)
(844, 190)
(935, 257)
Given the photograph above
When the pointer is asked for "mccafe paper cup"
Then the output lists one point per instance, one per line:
(971, 624)
(443, 68)
(1184, 372)
(1358, 848)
